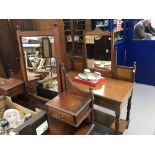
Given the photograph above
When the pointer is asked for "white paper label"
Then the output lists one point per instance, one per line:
(43, 127)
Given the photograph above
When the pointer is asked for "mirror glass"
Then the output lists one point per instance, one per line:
(98, 50)
(40, 60)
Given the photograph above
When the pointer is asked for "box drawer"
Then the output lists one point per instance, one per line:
(61, 116)
(69, 118)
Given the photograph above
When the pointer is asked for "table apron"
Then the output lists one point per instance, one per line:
(111, 105)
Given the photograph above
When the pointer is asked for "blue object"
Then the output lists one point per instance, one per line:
(129, 51)
(143, 53)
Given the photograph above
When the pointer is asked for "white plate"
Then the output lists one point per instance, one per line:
(82, 76)
(97, 75)
(91, 77)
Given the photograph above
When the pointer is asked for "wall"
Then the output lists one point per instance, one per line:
(143, 53)
(121, 52)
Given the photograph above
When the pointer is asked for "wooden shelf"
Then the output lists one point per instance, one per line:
(79, 30)
(79, 20)
(51, 89)
(76, 28)
(109, 121)
(67, 30)
(79, 34)
(85, 130)
(66, 21)
(79, 42)
(31, 45)
(68, 42)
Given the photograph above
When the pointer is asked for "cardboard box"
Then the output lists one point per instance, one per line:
(29, 127)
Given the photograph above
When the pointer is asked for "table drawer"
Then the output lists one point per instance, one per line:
(73, 120)
(61, 116)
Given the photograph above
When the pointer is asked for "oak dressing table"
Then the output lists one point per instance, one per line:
(119, 80)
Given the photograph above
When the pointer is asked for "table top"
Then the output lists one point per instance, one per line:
(112, 89)
(68, 102)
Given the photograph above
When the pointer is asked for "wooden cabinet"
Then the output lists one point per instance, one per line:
(73, 30)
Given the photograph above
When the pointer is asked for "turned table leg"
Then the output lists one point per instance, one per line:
(117, 113)
(128, 110)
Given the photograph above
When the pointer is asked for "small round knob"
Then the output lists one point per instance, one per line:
(4, 123)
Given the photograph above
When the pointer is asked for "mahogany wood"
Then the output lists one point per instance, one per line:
(85, 130)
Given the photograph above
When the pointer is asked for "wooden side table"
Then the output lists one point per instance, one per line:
(72, 110)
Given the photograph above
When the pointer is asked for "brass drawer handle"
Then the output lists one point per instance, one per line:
(60, 116)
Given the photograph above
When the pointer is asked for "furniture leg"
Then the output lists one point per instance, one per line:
(117, 113)
(128, 111)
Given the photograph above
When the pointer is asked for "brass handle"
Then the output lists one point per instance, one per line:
(60, 116)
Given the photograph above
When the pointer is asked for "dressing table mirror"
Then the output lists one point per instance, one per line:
(99, 51)
(39, 59)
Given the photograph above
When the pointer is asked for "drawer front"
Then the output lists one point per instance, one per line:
(105, 103)
(61, 116)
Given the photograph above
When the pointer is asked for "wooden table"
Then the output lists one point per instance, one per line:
(113, 94)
